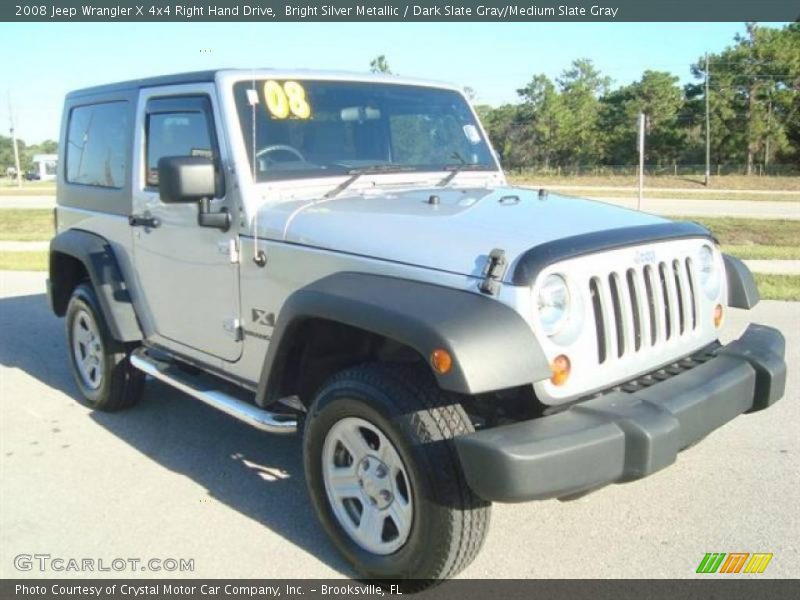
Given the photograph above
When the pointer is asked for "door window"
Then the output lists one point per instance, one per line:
(178, 127)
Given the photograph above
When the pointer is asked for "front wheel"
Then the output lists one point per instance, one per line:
(385, 478)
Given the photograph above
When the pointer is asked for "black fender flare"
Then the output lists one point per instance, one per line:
(100, 262)
(742, 288)
(492, 345)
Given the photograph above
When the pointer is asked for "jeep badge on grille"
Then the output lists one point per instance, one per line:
(645, 256)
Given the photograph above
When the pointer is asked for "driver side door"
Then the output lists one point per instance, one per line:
(188, 275)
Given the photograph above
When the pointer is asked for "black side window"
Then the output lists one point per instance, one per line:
(97, 144)
(178, 127)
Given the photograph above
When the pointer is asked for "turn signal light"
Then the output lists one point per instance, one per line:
(718, 315)
(560, 368)
(442, 361)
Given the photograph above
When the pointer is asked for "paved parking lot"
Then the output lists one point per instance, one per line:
(175, 479)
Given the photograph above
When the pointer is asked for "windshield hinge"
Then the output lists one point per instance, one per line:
(232, 328)
(493, 272)
(230, 248)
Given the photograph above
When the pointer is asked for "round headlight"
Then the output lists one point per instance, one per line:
(709, 272)
(553, 304)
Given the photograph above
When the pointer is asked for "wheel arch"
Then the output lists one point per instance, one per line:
(76, 256)
(388, 317)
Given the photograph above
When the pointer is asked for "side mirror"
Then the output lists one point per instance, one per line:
(185, 179)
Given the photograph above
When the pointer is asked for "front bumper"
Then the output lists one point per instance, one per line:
(625, 436)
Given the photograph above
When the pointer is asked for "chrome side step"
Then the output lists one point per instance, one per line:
(244, 411)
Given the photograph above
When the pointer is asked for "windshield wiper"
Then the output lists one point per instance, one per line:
(455, 169)
(355, 174)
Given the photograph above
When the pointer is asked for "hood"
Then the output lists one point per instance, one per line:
(455, 235)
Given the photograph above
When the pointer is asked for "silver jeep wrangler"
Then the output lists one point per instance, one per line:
(341, 254)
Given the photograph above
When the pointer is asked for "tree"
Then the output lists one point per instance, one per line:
(26, 153)
(541, 117)
(581, 87)
(499, 124)
(754, 111)
(7, 155)
(659, 97)
(754, 88)
(47, 147)
(379, 64)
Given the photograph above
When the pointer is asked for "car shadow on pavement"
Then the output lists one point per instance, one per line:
(256, 474)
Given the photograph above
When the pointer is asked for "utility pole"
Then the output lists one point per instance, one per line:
(641, 159)
(708, 130)
(766, 142)
(14, 142)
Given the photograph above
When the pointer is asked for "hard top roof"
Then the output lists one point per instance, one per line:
(211, 76)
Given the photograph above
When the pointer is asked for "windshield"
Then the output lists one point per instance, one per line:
(299, 129)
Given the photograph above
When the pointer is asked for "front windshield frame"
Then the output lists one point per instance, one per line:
(482, 159)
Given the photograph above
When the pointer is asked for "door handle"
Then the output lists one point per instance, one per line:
(142, 221)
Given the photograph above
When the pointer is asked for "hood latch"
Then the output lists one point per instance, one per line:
(493, 272)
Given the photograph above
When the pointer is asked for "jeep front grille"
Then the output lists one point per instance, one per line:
(635, 309)
(643, 306)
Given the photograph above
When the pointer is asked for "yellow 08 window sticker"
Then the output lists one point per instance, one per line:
(287, 99)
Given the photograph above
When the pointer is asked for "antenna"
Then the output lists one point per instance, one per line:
(14, 142)
(259, 256)
(708, 129)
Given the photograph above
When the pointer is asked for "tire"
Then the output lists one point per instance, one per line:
(112, 384)
(448, 522)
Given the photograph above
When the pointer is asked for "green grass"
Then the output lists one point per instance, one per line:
(688, 182)
(760, 239)
(11, 182)
(763, 252)
(755, 239)
(8, 187)
(26, 224)
(778, 287)
(23, 261)
(738, 232)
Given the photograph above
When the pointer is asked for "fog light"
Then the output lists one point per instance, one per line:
(442, 361)
(718, 315)
(560, 368)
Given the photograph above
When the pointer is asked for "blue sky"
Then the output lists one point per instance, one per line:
(493, 58)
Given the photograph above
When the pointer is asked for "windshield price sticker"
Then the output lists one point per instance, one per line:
(472, 133)
(287, 99)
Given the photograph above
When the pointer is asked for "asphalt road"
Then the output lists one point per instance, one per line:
(172, 478)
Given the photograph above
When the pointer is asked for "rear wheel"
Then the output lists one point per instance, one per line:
(385, 478)
(100, 365)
